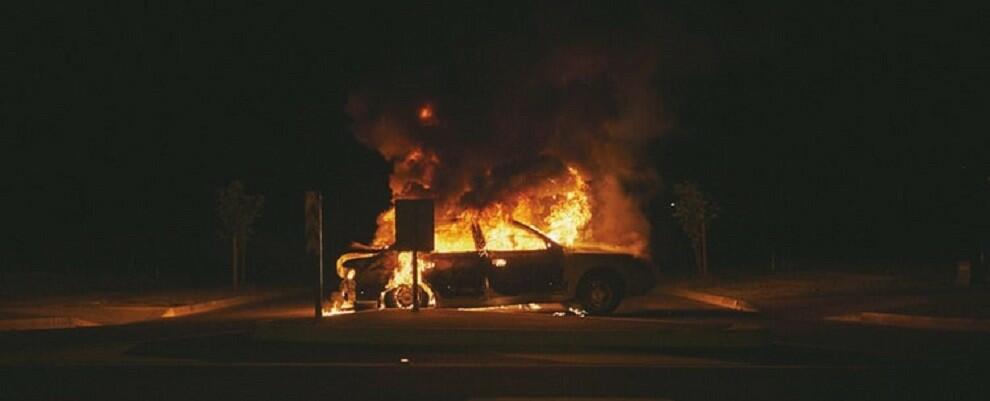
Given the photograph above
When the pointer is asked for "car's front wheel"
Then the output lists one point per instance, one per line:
(599, 292)
(402, 297)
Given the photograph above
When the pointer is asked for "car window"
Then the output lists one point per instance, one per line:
(455, 237)
(508, 237)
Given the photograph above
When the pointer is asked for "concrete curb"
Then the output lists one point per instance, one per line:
(916, 321)
(711, 299)
(68, 322)
(44, 323)
(502, 339)
(209, 306)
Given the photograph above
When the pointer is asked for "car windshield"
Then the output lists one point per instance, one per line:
(506, 237)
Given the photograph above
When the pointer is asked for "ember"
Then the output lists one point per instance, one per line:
(425, 113)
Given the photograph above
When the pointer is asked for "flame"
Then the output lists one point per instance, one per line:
(335, 310)
(403, 274)
(560, 208)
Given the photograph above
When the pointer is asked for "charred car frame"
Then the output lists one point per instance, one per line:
(595, 280)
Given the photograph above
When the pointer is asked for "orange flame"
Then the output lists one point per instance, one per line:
(402, 275)
(560, 208)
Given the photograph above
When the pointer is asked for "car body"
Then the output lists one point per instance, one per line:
(595, 279)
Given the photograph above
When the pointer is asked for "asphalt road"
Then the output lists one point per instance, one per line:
(214, 356)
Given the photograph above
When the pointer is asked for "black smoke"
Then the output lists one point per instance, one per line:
(513, 113)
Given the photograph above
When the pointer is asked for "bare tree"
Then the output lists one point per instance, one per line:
(694, 209)
(237, 211)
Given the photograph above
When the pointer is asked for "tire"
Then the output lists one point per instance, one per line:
(401, 297)
(600, 292)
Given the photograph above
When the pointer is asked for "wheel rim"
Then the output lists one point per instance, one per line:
(403, 296)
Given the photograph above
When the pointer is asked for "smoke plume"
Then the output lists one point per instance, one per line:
(511, 119)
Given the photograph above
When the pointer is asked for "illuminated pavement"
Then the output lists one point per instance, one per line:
(214, 356)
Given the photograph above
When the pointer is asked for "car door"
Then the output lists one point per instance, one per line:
(514, 272)
(457, 275)
(511, 272)
(526, 272)
(547, 270)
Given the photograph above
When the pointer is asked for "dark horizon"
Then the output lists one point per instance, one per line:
(823, 132)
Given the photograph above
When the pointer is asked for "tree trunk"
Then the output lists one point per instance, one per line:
(704, 249)
(233, 261)
(696, 247)
(242, 269)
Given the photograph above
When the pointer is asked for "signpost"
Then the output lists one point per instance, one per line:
(313, 203)
(414, 232)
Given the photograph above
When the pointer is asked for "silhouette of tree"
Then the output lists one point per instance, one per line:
(694, 209)
(238, 212)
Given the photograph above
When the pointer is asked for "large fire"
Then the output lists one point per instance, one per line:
(564, 143)
(560, 207)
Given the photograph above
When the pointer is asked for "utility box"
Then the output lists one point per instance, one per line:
(414, 225)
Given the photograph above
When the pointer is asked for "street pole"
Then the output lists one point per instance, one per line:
(319, 291)
(313, 202)
(415, 286)
(414, 231)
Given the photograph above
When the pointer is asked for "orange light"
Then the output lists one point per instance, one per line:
(425, 113)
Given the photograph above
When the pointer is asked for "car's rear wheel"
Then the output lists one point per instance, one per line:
(402, 297)
(600, 292)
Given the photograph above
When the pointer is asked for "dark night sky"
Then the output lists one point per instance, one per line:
(852, 131)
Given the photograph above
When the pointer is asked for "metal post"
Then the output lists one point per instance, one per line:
(415, 286)
(314, 246)
(414, 231)
(319, 292)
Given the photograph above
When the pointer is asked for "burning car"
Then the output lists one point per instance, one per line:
(593, 278)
